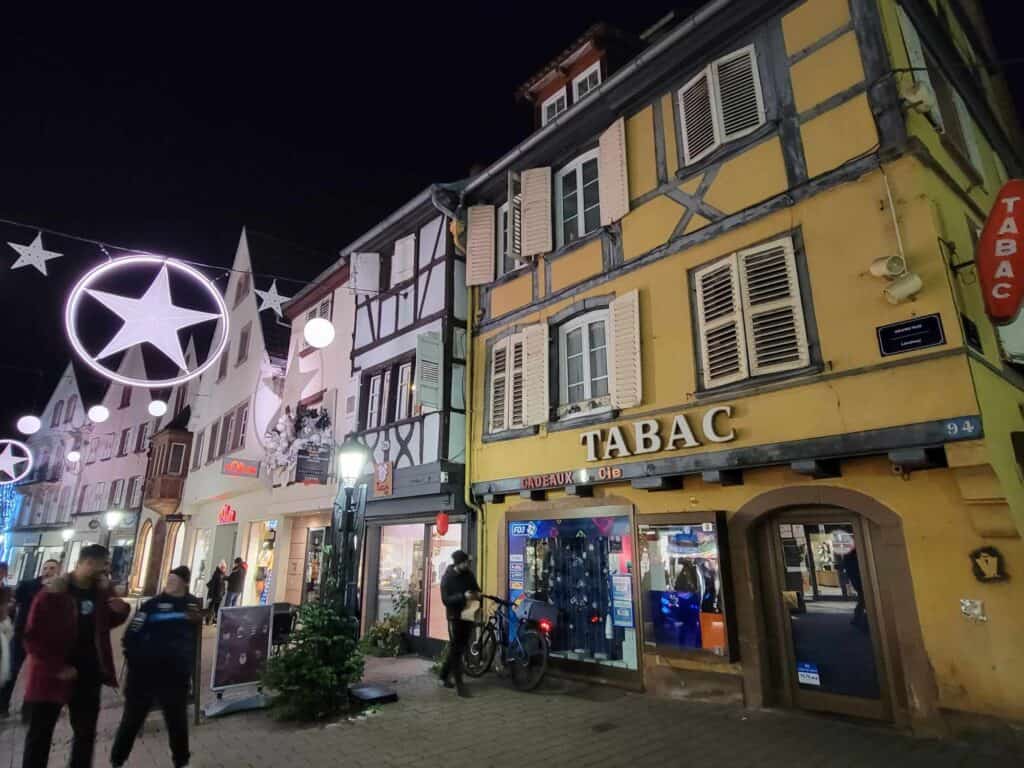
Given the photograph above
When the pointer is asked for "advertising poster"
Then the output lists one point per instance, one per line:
(243, 646)
(312, 464)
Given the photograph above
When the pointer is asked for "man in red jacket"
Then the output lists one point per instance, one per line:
(69, 656)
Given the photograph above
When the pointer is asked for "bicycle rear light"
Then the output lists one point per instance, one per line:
(545, 626)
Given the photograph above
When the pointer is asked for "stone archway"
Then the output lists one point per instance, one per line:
(911, 678)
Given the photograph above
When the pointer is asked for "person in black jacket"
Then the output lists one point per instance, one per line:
(160, 646)
(215, 591)
(458, 586)
(24, 594)
(236, 580)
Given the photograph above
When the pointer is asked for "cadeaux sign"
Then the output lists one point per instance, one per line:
(1000, 254)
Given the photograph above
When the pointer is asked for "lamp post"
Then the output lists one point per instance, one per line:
(345, 529)
(112, 519)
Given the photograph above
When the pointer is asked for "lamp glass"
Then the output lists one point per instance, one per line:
(74, 456)
(112, 518)
(352, 459)
(318, 332)
(157, 408)
(29, 425)
(67, 533)
(98, 414)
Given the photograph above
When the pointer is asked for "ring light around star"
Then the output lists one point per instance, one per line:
(15, 461)
(150, 318)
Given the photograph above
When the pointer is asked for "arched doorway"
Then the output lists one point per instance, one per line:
(809, 638)
(144, 549)
(175, 546)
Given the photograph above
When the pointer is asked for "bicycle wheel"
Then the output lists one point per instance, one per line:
(529, 659)
(479, 654)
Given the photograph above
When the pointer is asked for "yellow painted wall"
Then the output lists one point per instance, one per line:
(827, 71)
(576, 266)
(749, 178)
(839, 135)
(643, 168)
(649, 226)
(668, 120)
(513, 294)
(811, 21)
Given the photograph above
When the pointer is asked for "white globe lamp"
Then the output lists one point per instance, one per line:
(112, 519)
(352, 459)
(67, 534)
(157, 408)
(319, 332)
(29, 425)
(74, 456)
(98, 414)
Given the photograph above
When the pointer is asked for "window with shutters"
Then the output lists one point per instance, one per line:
(721, 103)
(126, 397)
(226, 428)
(583, 365)
(69, 414)
(142, 438)
(577, 198)
(243, 344)
(176, 462)
(389, 392)
(56, 413)
(99, 497)
(507, 261)
(225, 356)
(197, 449)
(750, 315)
(403, 394)
(507, 407)
(122, 446)
(107, 447)
(586, 81)
(135, 493)
(116, 491)
(211, 451)
(553, 106)
(241, 422)
(403, 263)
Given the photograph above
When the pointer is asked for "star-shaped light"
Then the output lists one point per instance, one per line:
(33, 255)
(152, 318)
(8, 462)
(271, 299)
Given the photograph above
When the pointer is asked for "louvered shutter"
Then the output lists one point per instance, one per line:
(918, 62)
(774, 315)
(536, 372)
(517, 381)
(351, 421)
(701, 132)
(480, 245)
(429, 381)
(404, 262)
(366, 273)
(515, 217)
(739, 94)
(720, 324)
(498, 414)
(625, 379)
(137, 493)
(612, 177)
(536, 214)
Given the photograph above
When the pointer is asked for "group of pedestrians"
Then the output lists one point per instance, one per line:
(225, 587)
(61, 635)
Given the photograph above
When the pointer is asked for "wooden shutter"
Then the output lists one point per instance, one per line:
(403, 264)
(536, 369)
(612, 175)
(918, 62)
(739, 93)
(427, 393)
(517, 381)
(536, 215)
(774, 315)
(351, 421)
(498, 413)
(137, 493)
(701, 132)
(480, 242)
(366, 273)
(720, 324)
(515, 217)
(624, 370)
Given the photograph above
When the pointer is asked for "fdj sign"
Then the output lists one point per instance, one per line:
(523, 529)
(1000, 254)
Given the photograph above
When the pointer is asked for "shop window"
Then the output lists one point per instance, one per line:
(584, 568)
(681, 587)
(577, 202)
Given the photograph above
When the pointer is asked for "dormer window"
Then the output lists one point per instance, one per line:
(586, 81)
(553, 106)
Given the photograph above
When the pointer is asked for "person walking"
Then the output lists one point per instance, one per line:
(458, 587)
(6, 631)
(159, 647)
(236, 581)
(67, 640)
(24, 594)
(215, 591)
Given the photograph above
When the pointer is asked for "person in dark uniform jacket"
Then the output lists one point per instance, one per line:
(458, 586)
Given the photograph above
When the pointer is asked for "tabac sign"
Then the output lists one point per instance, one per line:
(649, 437)
(1000, 254)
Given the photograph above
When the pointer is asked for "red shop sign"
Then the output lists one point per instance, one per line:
(227, 515)
(1000, 254)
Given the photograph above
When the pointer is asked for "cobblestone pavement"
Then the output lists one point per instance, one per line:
(563, 724)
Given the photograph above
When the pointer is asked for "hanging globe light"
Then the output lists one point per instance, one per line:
(319, 332)
(74, 456)
(29, 425)
(98, 414)
(157, 408)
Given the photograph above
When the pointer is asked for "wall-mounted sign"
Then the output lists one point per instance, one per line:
(240, 468)
(648, 436)
(175, 518)
(999, 255)
(910, 335)
(312, 464)
(383, 478)
(987, 565)
(227, 515)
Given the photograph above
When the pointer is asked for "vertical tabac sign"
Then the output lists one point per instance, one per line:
(1000, 254)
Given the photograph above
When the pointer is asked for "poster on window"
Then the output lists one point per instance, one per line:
(243, 646)
(312, 464)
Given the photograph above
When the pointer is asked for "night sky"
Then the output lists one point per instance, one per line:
(170, 134)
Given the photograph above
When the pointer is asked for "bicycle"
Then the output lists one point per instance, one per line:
(524, 659)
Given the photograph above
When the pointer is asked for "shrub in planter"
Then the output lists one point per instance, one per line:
(387, 636)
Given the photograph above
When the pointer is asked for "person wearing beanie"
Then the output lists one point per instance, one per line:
(159, 648)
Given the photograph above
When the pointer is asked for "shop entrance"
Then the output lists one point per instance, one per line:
(822, 605)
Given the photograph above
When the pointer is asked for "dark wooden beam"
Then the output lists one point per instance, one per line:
(723, 476)
(669, 483)
(913, 459)
(582, 491)
(494, 498)
(533, 495)
(816, 468)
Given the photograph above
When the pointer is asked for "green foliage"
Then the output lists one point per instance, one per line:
(439, 660)
(385, 637)
(310, 677)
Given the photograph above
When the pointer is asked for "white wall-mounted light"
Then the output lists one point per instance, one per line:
(67, 534)
(112, 519)
(74, 456)
(98, 414)
(902, 288)
(889, 266)
(157, 408)
(29, 424)
(318, 332)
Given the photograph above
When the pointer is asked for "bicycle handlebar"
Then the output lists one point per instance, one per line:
(498, 600)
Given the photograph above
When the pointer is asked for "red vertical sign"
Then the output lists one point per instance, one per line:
(1000, 254)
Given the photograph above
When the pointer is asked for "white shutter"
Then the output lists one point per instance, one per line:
(723, 345)
(701, 132)
(739, 93)
(498, 414)
(351, 422)
(137, 493)
(918, 62)
(536, 214)
(536, 372)
(515, 217)
(366, 273)
(427, 394)
(772, 309)
(612, 176)
(517, 381)
(480, 245)
(403, 263)
(625, 376)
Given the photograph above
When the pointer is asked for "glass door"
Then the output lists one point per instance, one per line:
(441, 549)
(312, 576)
(400, 576)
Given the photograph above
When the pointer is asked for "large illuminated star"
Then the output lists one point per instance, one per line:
(33, 254)
(8, 462)
(271, 299)
(152, 318)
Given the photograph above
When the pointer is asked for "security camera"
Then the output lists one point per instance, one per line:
(902, 288)
(889, 266)
(919, 97)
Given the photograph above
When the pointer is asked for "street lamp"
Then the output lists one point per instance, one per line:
(353, 457)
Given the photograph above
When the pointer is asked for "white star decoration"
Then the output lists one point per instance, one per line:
(152, 318)
(271, 299)
(33, 254)
(8, 462)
